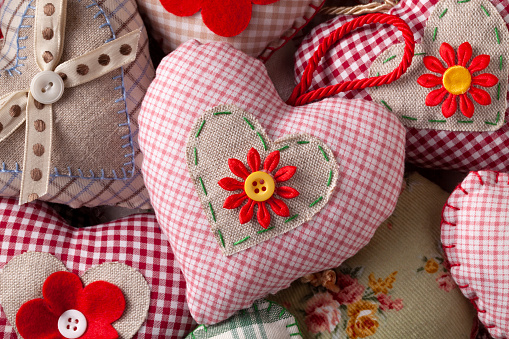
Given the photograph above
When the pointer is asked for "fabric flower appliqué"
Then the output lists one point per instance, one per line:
(69, 310)
(259, 187)
(226, 18)
(457, 80)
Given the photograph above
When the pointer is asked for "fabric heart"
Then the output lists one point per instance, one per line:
(129, 253)
(474, 236)
(365, 140)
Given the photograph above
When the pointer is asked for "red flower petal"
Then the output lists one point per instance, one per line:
(247, 211)
(434, 98)
(433, 64)
(231, 184)
(235, 200)
(449, 106)
(480, 96)
(466, 106)
(279, 207)
(447, 53)
(253, 160)
(485, 80)
(35, 320)
(101, 302)
(479, 63)
(181, 8)
(263, 2)
(287, 192)
(464, 54)
(238, 168)
(285, 173)
(227, 18)
(263, 215)
(429, 80)
(100, 330)
(60, 291)
(271, 161)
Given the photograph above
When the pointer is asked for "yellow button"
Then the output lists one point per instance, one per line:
(259, 186)
(457, 80)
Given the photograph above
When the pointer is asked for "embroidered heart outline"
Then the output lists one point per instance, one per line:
(243, 132)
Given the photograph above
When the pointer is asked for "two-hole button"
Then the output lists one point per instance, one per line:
(47, 87)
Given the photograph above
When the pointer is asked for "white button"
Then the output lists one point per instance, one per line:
(47, 87)
(72, 324)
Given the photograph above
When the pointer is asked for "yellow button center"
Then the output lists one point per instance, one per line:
(259, 186)
(457, 80)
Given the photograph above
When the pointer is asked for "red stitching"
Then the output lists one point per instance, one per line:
(496, 178)
(455, 265)
(462, 189)
(450, 246)
(473, 301)
(451, 206)
(464, 286)
(448, 223)
(480, 179)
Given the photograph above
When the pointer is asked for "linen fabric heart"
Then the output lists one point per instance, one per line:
(135, 241)
(352, 57)
(365, 140)
(474, 237)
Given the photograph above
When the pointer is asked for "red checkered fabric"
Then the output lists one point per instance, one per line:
(476, 242)
(367, 141)
(136, 241)
(351, 58)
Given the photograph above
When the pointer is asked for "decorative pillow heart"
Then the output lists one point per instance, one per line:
(475, 136)
(400, 274)
(81, 149)
(474, 237)
(32, 234)
(212, 125)
(256, 27)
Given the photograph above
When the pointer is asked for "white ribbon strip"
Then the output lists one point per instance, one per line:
(12, 113)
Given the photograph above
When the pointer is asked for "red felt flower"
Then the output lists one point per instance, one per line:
(259, 187)
(224, 17)
(100, 302)
(457, 80)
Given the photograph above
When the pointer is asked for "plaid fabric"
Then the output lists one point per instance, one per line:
(78, 192)
(351, 58)
(136, 241)
(474, 223)
(366, 140)
(265, 319)
(271, 26)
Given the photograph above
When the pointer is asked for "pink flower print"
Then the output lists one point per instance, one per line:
(386, 302)
(350, 290)
(322, 313)
(445, 282)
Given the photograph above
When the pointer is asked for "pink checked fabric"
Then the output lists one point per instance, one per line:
(475, 238)
(351, 58)
(135, 241)
(366, 140)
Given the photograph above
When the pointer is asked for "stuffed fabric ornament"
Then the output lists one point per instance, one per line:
(254, 193)
(72, 77)
(256, 27)
(454, 121)
(130, 253)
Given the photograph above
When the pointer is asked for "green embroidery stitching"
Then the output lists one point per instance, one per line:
(443, 13)
(463, 1)
(435, 33)
(323, 152)
(263, 141)
(283, 148)
(386, 105)
(389, 59)
(250, 124)
(316, 202)
(496, 121)
(221, 113)
(329, 181)
(195, 157)
(302, 142)
(212, 211)
(221, 237)
(498, 35)
(199, 129)
(409, 118)
(270, 305)
(202, 186)
(291, 218)
(265, 230)
(291, 325)
(419, 54)
(485, 10)
(282, 313)
(432, 120)
(466, 121)
(501, 62)
(241, 241)
(498, 91)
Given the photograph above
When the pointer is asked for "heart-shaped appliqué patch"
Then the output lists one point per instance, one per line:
(253, 189)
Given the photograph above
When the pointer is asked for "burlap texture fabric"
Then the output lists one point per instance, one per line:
(315, 178)
(397, 286)
(454, 22)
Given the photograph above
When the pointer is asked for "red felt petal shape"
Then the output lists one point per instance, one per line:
(480, 96)
(287, 192)
(263, 215)
(449, 106)
(271, 161)
(235, 200)
(60, 291)
(429, 80)
(485, 80)
(230, 184)
(227, 18)
(238, 168)
(466, 106)
(479, 63)
(279, 207)
(263, 2)
(247, 211)
(464, 53)
(285, 173)
(100, 330)
(435, 97)
(447, 53)
(433, 64)
(101, 302)
(34, 320)
(181, 8)
(253, 159)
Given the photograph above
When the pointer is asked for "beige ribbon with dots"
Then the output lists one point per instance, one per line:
(19, 107)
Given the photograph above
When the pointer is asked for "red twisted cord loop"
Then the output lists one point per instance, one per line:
(300, 97)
